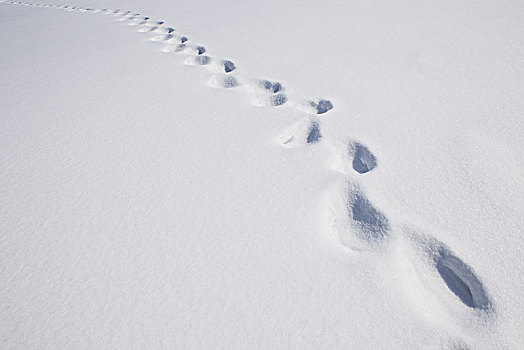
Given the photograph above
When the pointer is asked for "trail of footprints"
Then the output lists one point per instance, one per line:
(367, 226)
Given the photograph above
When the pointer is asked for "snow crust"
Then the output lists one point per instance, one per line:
(262, 175)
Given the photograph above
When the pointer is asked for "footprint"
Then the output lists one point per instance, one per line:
(314, 134)
(461, 280)
(165, 37)
(352, 220)
(164, 30)
(444, 275)
(363, 160)
(368, 222)
(175, 48)
(268, 93)
(135, 21)
(278, 100)
(200, 49)
(221, 81)
(304, 132)
(228, 66)
(320, 106)
(201, 60)
(146, 29)
(273, 87)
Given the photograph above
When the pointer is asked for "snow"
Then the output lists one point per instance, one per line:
(292, 174)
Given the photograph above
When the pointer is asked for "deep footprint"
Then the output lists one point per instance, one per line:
(363, 160)
(461, 280)
(229, 66)
(200, 49)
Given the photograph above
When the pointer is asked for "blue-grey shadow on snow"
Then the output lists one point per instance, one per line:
(314, 133)
(363, 160)
(373, 225)
(461, 280)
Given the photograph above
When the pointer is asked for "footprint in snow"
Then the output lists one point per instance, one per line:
(175, 48)
(301, 133)
(368, 222)
(277, 100)
(137, 21)
(154, 27)
(200, 60)
(461, 280)
(200, 49)
(320, 106)
(146, 29)
(363, 160)
(314, 134)
(163, 30)
(270, 86)
(457, 277)
(228, 66)
(124, 17)
(226, 82)
(353, 219)
(164, 37)
(268, 93)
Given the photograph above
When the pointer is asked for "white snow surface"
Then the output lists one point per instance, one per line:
(149, 199)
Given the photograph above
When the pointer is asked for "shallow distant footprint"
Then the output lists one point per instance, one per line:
(301, 133)
(270, 86)
(163, 30)
(226, 82)
(320, 106)
(165, 37)
(200, 60)
(268, 93)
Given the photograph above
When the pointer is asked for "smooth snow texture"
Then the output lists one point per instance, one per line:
(242, 175)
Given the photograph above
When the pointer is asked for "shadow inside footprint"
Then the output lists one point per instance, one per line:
(200, 49)
(322, 106)
(228, 82)
(200, 60)
(278, 99)
(270, 86)
(363, 160)
(461, 280)
(229, 66)
(373, 224)
(314, 133)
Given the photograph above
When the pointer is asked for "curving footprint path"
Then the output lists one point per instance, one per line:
(367, 227)
(262, 92)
